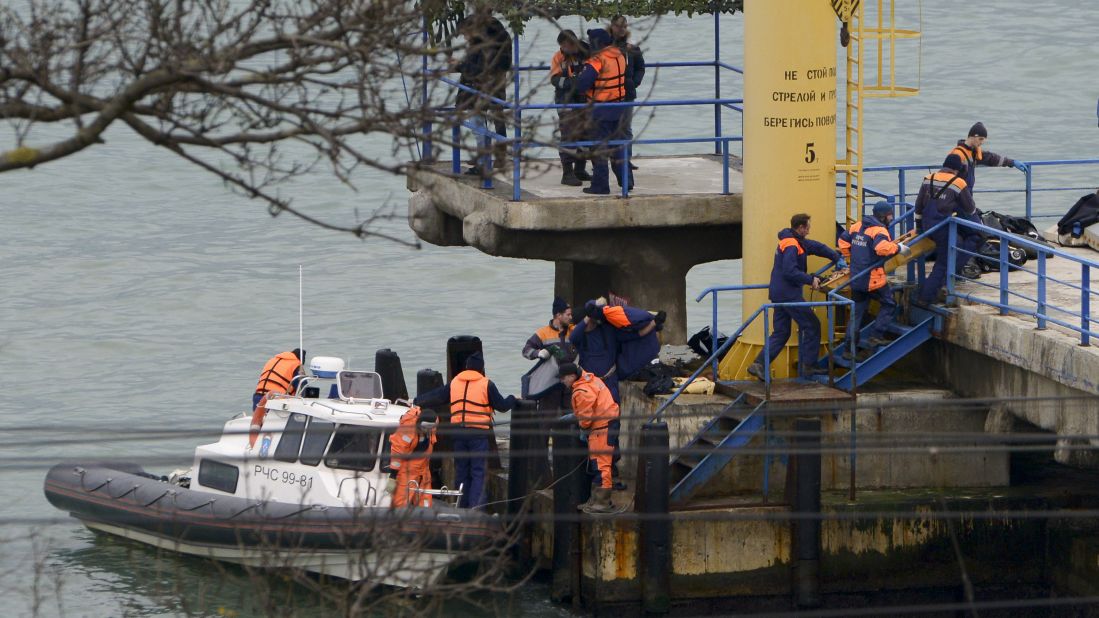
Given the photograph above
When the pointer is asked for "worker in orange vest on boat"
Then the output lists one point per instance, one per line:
(597, 414)
(473, 398)
(410, 447)
(280, 375)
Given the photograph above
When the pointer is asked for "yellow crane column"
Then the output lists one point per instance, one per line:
(789, 149)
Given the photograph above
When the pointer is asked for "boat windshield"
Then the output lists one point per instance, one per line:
(354, 447)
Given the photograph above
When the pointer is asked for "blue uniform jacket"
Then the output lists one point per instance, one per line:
(864, 252)
(789, 273)
(441, 397)
(634, 351)
(598, 349)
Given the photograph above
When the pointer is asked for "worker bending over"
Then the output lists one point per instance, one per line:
(944, 194)
(597, 414)
(280, 375)
(867, 244)
(788, 276)
(410, 449)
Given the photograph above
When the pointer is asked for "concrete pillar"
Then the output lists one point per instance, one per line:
(576, 282)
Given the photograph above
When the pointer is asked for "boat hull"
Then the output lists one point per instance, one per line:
(400, 547)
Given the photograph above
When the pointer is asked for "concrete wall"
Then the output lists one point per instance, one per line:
(903, 438)
(1045, 377)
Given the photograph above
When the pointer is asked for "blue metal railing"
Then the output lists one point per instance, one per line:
(516, 143)
(903, 192)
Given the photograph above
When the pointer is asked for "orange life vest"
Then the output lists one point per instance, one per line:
(550, 335)
(278, 374)
(592, 402)
(407, 436)
(610, 80)
(469, 405)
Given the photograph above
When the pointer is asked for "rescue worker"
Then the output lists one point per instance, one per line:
(868, 243)
(472, 398)
(544, 340)
(485, 69)
(410, 449)
(636, 331)
(943, 194)
(971, 155)
(280, 375)
(635, 73)
(565, 66)
(604, 80)
(597, 414)
(596, 342)
(788, 276)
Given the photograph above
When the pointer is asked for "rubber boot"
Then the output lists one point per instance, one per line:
(568, 176)
(600, 501)
(591, 499)
(580, 172)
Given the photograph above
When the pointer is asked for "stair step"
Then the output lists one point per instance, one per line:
(898, 329)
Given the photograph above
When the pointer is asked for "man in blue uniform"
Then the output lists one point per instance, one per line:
(971, 155)
(943, 194)
(604, 80)
(596, 344)
(788, 276)
(868, 243)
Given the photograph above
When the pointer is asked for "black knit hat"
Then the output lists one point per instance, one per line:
(953, 162)
(568, 369)
(978, 130)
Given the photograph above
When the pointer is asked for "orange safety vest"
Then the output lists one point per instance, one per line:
(610, 80)
(550, 335)
(560, 65)
(966, 155)
(405, 439)
(469, 406)
(278, 374)
(592, 402)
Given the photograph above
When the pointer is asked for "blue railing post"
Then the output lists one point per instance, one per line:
(1041, 290)
(1085, 304)
(1027, 172)
(1005, 266)
(951, 259)
(717, 82)
(831, 349)
(900, 187)
(766, 352)
(426, 154)
(625, 170)
(725, 167)
(713, 335)
(455, 150)
(517, 117)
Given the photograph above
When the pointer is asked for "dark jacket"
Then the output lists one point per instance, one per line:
(1085, 212)
(634, 350)
(790, 271)
(942, 194)
(486, 64)
(971, 158)
(440, 397)
(871, 244)
(635, 68)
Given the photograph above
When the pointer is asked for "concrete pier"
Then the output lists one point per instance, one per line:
(1046, 377)
(640, 247)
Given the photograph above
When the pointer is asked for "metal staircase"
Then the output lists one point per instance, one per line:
(714, 447)
(860, 372)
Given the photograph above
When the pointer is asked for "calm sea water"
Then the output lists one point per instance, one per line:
(136, 293)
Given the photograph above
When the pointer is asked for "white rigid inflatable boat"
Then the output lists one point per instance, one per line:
(310, 494)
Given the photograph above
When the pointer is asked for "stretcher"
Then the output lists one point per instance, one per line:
(925, 246)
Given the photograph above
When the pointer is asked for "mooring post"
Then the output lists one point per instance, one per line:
(807, 513)
(427, 380)
(520, 483)
(655, 559)
(570, 480)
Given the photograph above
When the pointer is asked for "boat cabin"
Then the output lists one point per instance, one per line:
(326, 445)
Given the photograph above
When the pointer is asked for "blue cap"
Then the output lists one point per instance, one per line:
(599, 38)
(953, 162)
(476, 362)
(883, 208)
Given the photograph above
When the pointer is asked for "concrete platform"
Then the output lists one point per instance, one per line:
(640, 247)
(1047, 377)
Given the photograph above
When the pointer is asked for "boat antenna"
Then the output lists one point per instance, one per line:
(301, 329)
